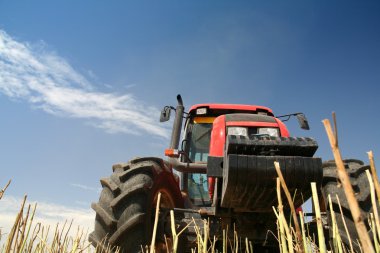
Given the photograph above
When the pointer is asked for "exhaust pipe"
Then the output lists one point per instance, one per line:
(177, 125)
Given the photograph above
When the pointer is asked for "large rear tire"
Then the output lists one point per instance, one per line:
(125, 211)
(332, 186)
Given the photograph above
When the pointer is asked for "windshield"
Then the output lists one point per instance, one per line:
(200, 142)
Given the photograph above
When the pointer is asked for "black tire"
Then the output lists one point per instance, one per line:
(125, 211)
(331, 185)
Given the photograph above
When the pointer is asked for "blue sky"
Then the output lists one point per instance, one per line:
(82, 82)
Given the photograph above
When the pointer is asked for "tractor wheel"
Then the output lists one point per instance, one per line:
(126, 208)
(332, 186)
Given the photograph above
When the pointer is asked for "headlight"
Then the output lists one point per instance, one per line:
(269, 131)
(237, 131)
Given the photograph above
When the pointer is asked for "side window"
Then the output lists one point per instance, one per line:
(199, 144)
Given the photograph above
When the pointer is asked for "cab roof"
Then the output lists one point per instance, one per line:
(232, 108)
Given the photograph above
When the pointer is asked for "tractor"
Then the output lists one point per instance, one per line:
(221, 171)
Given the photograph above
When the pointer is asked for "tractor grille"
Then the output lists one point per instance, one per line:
(249, 175)
(249, 181)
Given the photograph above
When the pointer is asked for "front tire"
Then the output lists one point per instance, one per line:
(332, 186)
(125, 211)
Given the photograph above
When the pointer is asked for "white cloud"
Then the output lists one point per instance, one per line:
(49, 83)
(87, 188)
(48, 214)
(129, 86)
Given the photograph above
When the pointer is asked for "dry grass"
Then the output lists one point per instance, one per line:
(26, 236)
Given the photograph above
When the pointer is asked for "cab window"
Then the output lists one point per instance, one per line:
(198, 152)
(200, 142)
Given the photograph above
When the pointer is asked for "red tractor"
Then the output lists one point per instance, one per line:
(224, 173)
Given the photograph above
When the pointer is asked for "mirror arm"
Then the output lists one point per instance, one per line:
(171, 107)
(301, 119)
(287, 116)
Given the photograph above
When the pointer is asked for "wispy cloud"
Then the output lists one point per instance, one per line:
(86, 188)
(50, 83)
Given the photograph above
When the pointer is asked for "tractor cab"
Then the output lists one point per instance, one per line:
(197, 139)
(208, 128)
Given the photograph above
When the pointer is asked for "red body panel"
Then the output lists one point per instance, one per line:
(252, 124)
(218, 136)
(252, 108)
(283, 130)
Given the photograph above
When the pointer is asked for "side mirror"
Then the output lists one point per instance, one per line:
(165, 114)
(302, 121)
